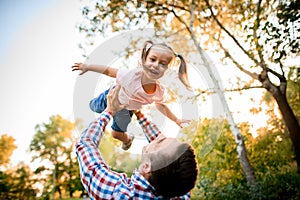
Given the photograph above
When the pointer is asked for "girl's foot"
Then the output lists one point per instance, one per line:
(126, 146)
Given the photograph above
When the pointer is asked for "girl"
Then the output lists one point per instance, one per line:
(138, 87)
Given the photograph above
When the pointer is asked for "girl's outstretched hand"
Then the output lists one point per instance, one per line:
(80, 66)
(181, 122)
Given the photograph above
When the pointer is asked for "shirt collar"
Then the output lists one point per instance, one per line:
(142, 181)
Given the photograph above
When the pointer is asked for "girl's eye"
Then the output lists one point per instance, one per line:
(152, 59)
(163, 65)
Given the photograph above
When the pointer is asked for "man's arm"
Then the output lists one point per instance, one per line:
(91, 163)
(151, 132)
(150, 129)
(88, 154)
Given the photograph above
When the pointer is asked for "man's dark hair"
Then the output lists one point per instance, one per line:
(178, 177)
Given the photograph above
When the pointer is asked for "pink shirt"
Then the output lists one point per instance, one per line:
(132, 92)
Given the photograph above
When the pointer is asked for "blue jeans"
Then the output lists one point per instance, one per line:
(121, 119)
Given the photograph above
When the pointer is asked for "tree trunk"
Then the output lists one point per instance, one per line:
(241, 149)
(291, 123)
(54, 182)
(290, 120)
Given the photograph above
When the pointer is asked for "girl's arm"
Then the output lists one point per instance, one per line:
(109, 71)
(167, 112)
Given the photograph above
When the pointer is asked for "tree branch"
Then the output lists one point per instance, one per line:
(208, 92)
(244, 88)
(256, 25)
(227, 54)
(280, 76)
(192, 7)
(163, 5)
(175, 33)
(230, 35)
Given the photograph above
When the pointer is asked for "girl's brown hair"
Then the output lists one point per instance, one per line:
(182, 72)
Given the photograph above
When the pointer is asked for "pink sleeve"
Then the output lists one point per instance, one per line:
(120, 76)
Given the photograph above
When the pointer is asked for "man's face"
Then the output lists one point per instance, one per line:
(163, 151)
(160, 143)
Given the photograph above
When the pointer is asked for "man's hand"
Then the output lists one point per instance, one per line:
(113, 104)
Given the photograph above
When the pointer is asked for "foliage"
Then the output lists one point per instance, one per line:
(293, 90)
(221, 166)
(117, 159)
(273, 186)
(17, 183)
(7, 147)
(53, 144)
(270, 153)
(273, 23)
(283, 35)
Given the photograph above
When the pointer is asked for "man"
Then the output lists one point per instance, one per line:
(168, 169)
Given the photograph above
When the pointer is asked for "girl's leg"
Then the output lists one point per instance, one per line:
(98, 104)
(123, 137)
(119, 128)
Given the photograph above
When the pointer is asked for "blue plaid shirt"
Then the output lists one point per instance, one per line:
(102, 183)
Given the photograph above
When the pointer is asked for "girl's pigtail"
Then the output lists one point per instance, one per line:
(182, 72)
(147, 45)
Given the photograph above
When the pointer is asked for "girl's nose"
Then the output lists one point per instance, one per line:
(155, 64)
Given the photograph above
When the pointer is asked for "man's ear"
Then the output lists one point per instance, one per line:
(146, 167)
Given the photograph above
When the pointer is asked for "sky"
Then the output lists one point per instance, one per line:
(38, 45)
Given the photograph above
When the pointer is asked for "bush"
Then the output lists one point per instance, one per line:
(279, 186)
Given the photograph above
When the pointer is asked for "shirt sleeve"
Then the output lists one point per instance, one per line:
(98, 180)
(121, 76)
(150, 129)
(151, 132)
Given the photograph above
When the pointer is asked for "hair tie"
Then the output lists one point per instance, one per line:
(148, 46)
(175, 54)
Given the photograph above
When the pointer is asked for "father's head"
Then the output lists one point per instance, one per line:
(170, 166)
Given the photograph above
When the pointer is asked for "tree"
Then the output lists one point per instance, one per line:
(293, 90)
(263, 33)
(53, 143)
(276, 129)
(7, 147)
(220, 175)
(267, 24)
(24, 181)
(17, 183)
(219, 168)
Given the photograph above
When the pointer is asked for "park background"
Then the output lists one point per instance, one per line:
(39, 43)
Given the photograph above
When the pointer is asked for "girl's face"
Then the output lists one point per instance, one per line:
(157, 62)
